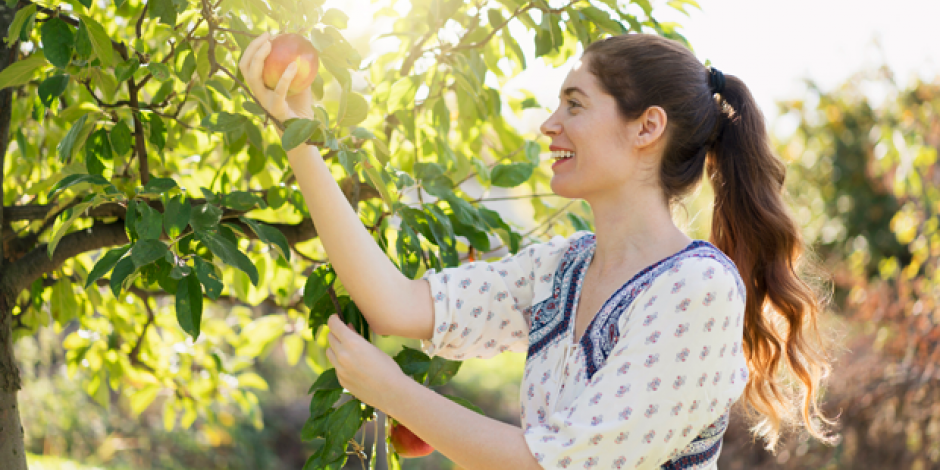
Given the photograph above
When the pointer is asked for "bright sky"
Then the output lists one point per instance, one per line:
(774, 45)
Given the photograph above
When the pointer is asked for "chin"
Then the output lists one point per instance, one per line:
(566, 187)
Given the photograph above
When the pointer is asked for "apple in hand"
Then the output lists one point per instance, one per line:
(285, 49)
(406, 443)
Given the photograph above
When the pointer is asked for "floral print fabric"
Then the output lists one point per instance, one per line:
(650, 383)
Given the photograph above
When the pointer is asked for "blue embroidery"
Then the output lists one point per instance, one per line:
(704, 449)
(551, 317)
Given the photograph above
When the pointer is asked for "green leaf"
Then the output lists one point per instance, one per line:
(297, 132)
(98, 146)
(323, 400)
(52, 87)
(67, 144)
(532, 152)
(83, 45)
(242, 200)
(441, 371)
(105, 264)
(465, 212)
(124, 268)
(100, 40)
(165, 10)
(57, 42)
(223, 122)
(121, 138)
(317, 284)
(209, 278)
(21, 71)
(413, 362)
(464, 403)
(163, 92)
(334, 17)
(402, 94)
(73, 215)
(189, 305)
(19, 20)
(149, 224)
(62, 303)
(72, 180)
(176, 216)
(148, 251)
(159, 185)
(269, 234)
(578, 222)
(511, 174)
(228, 252)
(159, 71)
(126, 69)
(205, 217)
(157, 131)
(357, 108)
(316, 426)
(326, 381)
(343, 424)
(348, 160)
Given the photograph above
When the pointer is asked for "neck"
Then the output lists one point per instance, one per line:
(634, 229)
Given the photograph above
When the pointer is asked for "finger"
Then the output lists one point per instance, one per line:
(253, 77)
(331, 356)
(284, 83)
(250, 52)
(336, 327)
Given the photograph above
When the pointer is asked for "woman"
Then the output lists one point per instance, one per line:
(639, 339)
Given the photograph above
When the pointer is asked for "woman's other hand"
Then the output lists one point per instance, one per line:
(276, 101)
(363, 369)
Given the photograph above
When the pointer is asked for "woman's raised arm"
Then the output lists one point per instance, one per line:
(392, 303)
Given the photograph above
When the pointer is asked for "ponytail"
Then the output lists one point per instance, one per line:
(716, 128)
(752, 225)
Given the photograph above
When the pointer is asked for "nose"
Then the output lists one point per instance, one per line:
(551, 127)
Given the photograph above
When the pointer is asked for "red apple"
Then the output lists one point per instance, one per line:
(407, 444)
(285, 49)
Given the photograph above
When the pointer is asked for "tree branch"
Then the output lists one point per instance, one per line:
(20, 274)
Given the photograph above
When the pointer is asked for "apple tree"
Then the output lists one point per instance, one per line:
(150, 216)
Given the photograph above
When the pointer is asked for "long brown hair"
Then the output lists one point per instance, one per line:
(724, 135)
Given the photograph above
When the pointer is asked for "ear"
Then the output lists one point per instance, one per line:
(652, 126)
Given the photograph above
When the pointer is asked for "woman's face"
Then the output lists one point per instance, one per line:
(590, 140)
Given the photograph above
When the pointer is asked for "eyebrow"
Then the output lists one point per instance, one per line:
(572, 90)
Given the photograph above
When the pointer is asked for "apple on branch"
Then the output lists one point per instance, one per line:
(406, 443)
(287, 48)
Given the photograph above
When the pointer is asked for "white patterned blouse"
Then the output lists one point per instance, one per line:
(650, 383)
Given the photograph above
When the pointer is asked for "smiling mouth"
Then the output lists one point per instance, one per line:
(559, 155)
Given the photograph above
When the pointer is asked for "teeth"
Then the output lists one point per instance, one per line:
(561, 154)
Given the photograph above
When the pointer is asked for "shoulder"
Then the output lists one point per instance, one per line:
(700, 264)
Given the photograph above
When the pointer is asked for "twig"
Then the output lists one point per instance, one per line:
(509, 198)
(549, 219)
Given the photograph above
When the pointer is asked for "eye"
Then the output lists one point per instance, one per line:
(573, 104)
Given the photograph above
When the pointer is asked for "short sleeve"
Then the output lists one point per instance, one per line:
(481, 309)
(676, 369)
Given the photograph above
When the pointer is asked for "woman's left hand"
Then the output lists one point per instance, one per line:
(363, 369)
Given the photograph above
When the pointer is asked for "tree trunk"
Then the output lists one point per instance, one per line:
(12, 455)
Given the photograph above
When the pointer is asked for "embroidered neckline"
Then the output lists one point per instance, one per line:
(551, 317)
(592, 247)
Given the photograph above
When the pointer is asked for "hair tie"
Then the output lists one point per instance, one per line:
(716, 81)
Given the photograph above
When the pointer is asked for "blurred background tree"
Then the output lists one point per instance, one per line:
(865, 183)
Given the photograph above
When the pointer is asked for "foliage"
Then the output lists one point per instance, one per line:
(169, 225)
(865, 182)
